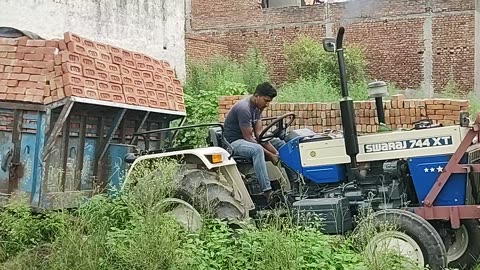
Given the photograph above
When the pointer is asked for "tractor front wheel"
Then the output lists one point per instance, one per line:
(403, 233)
(464, 249)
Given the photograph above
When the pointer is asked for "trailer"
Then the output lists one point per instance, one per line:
(59, 154)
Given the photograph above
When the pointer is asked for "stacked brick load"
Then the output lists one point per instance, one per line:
(24, 68)
(399, 113)
(79, 67)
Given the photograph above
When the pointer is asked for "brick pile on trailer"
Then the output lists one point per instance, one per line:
(399, 112)
(45, 71)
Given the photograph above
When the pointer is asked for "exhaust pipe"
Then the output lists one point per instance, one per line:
(346, 103)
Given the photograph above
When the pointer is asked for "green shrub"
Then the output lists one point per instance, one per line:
(306, 58)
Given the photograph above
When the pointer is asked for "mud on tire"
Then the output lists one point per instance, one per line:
(209, 195)
(424, 241)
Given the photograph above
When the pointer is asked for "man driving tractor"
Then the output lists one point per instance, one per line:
(242, 126)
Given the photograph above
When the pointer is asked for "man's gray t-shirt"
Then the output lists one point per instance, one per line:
(242, 114)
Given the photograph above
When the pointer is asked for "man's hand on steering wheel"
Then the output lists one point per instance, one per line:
(280, 128)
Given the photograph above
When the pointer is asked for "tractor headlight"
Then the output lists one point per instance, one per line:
(215, 158)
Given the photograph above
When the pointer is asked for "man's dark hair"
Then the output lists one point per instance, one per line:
(265, 89)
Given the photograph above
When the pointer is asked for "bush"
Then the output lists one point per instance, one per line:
(306, 58)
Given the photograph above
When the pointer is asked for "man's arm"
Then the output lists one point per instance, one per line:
(270, 151)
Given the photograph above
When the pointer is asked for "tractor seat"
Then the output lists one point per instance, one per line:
(215, 139)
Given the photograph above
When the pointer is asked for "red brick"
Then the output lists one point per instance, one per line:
(102, 75)
(77, 48)
(131, 99)
(112, 68)
(89, 44)
(91, 93)
(61, 92)
(22, 41)
(87, 62)
(38, 78)
(165, 64)
(180, 107)
(7, 62)
(157, 77)
(3, 82)
(141, 65)
(48, 57)
(163, 104)
(178, 90)
(2, 68)
(37, 99)
(17, 69)
(115, 78)
(3, 96)
(116, 88)
(170, 97)
(127, 80)
(179, 99)
(47, 50)
(47, 100)
(176, 82)
(34, 57)
(46, 90)
(135, 74)
(151, 94)
(153, 102)
(141, 92)
(59, 81)
(8, 41)
(118, 59)
(76, 91)
(70, 57)
(90, 72)
(130, 63)
(35, 71)
(24, 49)
(34, 92)
(160, 70)
(62, 45)
(172, 105)
(16, 90)
(73, 79)
(12, 83)
(28, 98)
(103, 86)
(90, 83)
(72, 68)
(127, 54)
(170, 88)
(129, 90)
(156, 63)
(118, 97)
(162, 96)
(20, 97)
(93, 53)
(10, 96)
(36, 43)
(150, 85)
(105, 95)
(8, 48)
(137, 56)
(71, 37)
(150, 67)
(147, 76)
(167, 80)
(20, 76)
(142, 101)
(52, 43)
(58, 70)
(3, 89)
(147, 59)
(101, 65)
(138, 83)
(114, 50)
(102, 47)
(8, 69)
(3, 54)
(161, 87)
(170, 72)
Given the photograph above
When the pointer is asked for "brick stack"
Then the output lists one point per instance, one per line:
(399, 112)
(24, 67)
(46, 71)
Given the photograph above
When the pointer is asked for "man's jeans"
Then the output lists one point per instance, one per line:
(254, 151)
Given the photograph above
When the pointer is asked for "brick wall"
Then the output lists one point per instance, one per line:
(399, 41)
(399, 112)
(205, 48)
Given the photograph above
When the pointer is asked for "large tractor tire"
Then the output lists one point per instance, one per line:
(464, 247)
(408, 235)
(204, 190)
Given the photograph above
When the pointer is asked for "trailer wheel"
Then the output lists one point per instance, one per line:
(407, 235)
(464, 248)
(209, 195)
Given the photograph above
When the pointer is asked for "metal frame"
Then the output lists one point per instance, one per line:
(452, 213)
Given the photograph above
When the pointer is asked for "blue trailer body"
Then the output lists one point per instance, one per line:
(58, 155)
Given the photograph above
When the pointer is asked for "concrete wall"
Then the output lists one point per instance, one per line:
(153, 27)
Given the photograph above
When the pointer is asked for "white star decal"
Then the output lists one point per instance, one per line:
(440, 169)
(426, 170)
(432, 169)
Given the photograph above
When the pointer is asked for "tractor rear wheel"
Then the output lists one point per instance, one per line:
(464, 249)
(204, 190)
(410, 236)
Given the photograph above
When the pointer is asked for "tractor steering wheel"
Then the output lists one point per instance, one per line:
(281, 127)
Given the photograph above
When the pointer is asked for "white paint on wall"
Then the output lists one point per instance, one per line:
(152, 27)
